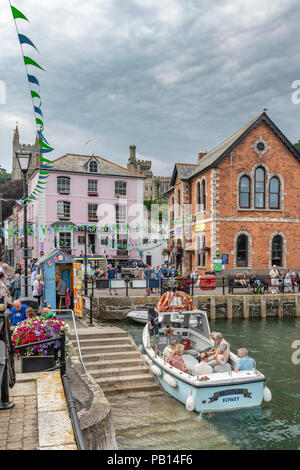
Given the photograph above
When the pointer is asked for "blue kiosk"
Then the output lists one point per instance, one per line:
(53, 265)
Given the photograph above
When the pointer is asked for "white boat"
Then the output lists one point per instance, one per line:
(141, 316)
(211, 393)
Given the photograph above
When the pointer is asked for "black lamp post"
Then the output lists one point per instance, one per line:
(24, 156)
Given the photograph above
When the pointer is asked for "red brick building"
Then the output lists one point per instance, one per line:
(241, 199)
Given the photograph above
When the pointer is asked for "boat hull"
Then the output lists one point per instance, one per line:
(214, 399)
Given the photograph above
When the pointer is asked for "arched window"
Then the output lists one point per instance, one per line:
(179, 201)
(172, 209)
(203, 260)
(198, 197)
(203, 195)
(259, 196)
(242, 251)
(244, 191)
(277, 245)
(274, 193)
(198, 251)
(93, 167)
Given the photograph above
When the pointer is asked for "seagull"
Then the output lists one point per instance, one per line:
(91, 140)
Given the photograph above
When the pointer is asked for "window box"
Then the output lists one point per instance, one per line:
(90, 193)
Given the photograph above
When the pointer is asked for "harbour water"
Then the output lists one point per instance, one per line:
(163, 423)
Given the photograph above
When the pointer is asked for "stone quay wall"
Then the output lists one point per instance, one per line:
(216, 306)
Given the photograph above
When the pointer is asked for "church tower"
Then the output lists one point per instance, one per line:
(34, 163)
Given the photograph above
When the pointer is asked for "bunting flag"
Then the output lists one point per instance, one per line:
(44, 146)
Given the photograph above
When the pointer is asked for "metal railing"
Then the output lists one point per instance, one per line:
(7, 375)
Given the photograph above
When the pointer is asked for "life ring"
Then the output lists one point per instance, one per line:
(165, 301)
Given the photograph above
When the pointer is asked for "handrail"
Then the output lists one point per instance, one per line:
(76, 334)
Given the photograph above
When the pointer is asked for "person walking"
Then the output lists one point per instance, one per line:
(38, 288)
(61, 291)
(15, 287)
(4, 292)
(111, 274)
(275, 276)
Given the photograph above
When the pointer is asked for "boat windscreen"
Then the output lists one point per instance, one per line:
(202, 325)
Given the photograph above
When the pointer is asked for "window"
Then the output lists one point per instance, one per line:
(122, 242)
(245, 186)
(65, 242)
(172, 209)
(120, 188)
(63, 210)
(259, 196)
(203, 257)
(179, 201)
(63, 185)
(274, 200)
(198, 197)
(81, 240)
(277, 245)
(104, 241)
(203, 195)
(92, 212)
(242, 251)
(121, 213)
(93, 167)
(92, 187)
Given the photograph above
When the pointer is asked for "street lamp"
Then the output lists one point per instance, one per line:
(24, 156)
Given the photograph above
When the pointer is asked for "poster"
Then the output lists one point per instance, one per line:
(77, 289)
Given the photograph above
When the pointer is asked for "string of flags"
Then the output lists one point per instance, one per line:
(34, 87)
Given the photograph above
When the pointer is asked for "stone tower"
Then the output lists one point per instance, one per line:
(34, 163)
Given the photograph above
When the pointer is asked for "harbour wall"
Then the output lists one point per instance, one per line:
(217, 306)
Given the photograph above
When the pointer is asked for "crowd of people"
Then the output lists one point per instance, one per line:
(213, 360)
(286, 280)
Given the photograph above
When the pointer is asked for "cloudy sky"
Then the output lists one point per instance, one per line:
(173, 77)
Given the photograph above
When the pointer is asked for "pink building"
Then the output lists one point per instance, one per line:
(88, 191)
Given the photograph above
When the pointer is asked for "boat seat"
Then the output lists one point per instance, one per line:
(192, 352)
(190, 361)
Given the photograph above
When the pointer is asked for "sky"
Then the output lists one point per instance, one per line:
(173, 77)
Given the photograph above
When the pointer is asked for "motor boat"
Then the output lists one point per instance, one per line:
(141, 316)
(210, 393)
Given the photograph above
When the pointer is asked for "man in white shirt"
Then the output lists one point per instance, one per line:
(33, 277)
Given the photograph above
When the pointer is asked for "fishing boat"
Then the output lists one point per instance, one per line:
(210, 393)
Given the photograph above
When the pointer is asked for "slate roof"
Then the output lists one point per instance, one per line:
(79, 164)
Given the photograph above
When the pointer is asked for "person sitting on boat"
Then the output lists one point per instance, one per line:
(202, 369)
(169, 351)
(222, 347)
(222, 365)
(205, 355)
(153, 328)
(244, 362)
(177, 359)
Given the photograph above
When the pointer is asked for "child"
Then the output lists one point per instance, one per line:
(30, 313)
(46, 313)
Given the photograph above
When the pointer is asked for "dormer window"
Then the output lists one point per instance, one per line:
(93, 166)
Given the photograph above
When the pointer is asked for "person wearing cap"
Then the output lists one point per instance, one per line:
(222, 365)
(168, 351)
(244, 362)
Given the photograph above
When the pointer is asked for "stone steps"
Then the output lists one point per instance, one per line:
(103, 342)
(115, 363)
(118, 372)
(100, 333)
(114, 391)
(124, 380)
(102, 350)
(100, 356)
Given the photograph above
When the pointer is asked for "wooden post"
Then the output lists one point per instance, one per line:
(212, 307)
(280, 307)
(229, 307)
(245, 307)
(263, 306)
(297, 306)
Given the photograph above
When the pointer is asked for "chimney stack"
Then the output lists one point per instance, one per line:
(201, 155)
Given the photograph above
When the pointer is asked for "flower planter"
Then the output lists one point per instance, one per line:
(36, 363)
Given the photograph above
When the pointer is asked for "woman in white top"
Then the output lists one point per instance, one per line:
(3, 289)
(37, 289)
